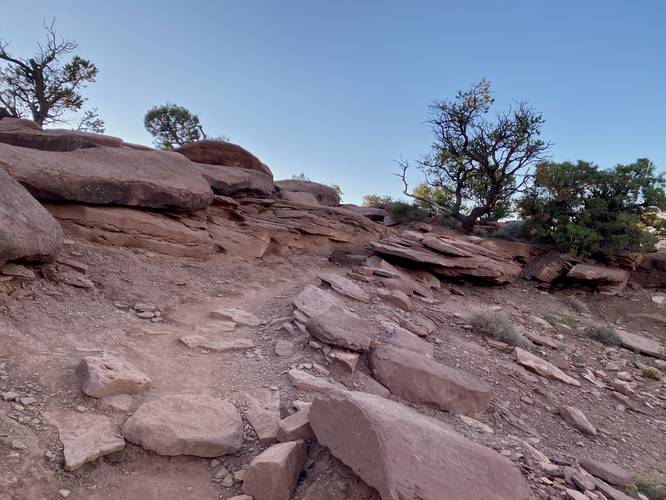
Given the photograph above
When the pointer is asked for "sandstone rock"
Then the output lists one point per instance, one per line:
(85, 437)
(346, 359)
(295, 427)
(109, 176)
(574, 495)
(609, 492)
(543, 367)
(423, 380)
(284, 348)
(26, 134)
(336, 326)
(642, 344)
(303, 380)
(117, 402)
(273, 474)
(396, 298)
(577, 419)
(404, 339)
(217, 344)
(549, 267)
(373, 213)
(608, 281)
(325, 195)
(186, 424)
(313, 301)
(180, 235)
(235, 314)
(299, 197)
(108, 375)
(27, 230)
(222, 153)
(651, 272)
(233, 181)
(17, 271)
(345, 286)
(368, 384)
(610, 473)
(263, 412)
(405, 455)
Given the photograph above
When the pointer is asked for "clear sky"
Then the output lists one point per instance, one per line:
(339, 89)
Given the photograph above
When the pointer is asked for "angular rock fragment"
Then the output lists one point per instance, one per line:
(543, 367)
(303, 380)
(610, 473)
(186, 424)
(423, 380)
(296, 426)
(273, 474)
(217, 344)
(345, 286)
(313, 300)
(236, 315)
(337, 326)
(263, 412)
(577, 418)
(85, 437)
(108, 375)
(405, 455)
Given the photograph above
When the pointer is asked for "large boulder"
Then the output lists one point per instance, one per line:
(273, 474)
(651, 272)
(606, 280)
(109, 176)
(405, 455)
(27, 134)
(325, 195)
(233, 181)
(179, 235)
(423, 380)
(223, 153)
(339, 327)
(27, 230)
(109, 375)
(186, 424)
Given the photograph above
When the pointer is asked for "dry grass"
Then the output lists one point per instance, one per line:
(576, 304)
(606, 334)
(651, 373)
(496, 324)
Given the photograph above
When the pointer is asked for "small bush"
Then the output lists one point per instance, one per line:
(652, 373)
(559, 319)
(653, 486)
(497, 325)
(606, 334)
(406, 212)
(576, 304)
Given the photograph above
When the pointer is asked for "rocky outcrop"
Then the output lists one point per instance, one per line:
(109, 375)
(639, 343)
(423, 380)
(109, 176)
(186, 424)
(223, 153)
(27, 231)
(325, 195)
(604, 279)
(338, 327)
(448, 257)
(651, 272)
(180, 235)
(549, 267)
(85, 437)
(405, 455)
(235, 181)
(376, 214)
(610, 473)
(345, 286)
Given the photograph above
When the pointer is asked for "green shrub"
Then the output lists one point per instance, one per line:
(576, 304)
(652, 373)
(406, 212)
(561, 319)
(651, 485)
(497, 325)
(606, 334)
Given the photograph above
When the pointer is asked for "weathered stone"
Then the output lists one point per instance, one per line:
(109, 176)
(17, 271)
(296, 426)
(405, 455)
(543, 367)
(345, 286)
(263, 412)
(577, 419)
(186, 424)
(27, 134)
(396, 298)
(423, 380)
(273, 474)
(610, 473)
(346, 359)
(284, 348)
(117, 402)
(642, 344)
(233, 181)
(235, 314)
(85, 437)
(609, 492)
(222, 153)
(108, 375)
(217, 344)
(27, 230)
(368, 384)
(651, 272)
(608, 281)
(337, 326)
(325, 195)
(404, 339)
(313, 301)
(303, 380)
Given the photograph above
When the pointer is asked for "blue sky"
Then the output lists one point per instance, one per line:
(339, 90)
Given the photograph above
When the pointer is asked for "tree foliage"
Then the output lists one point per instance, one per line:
(479, 163)
(44, 87)
(172, 126)
(376, 201)
(594, 212)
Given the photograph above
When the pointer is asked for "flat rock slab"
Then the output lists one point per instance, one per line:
(642, 344)
(313, 300)
(273, 474)
(85, 437)
(576, 418)
(405, 339)
(338, 327)
(543, 367)
(610, 473)
(217, 344)
(263, 412)
(186, 424)
(405, 455)
(108, 375)
(308, 382)
(236, 315)
(296, 426)
(345, 286)
(423, 380)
